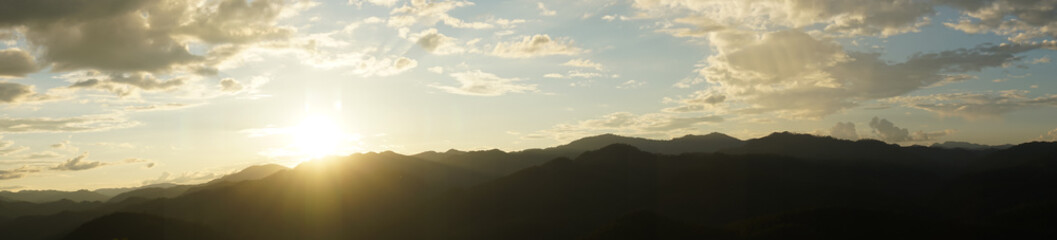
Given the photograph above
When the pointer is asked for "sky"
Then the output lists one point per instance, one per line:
(123, 93)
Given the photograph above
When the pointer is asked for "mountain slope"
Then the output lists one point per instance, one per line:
(42, 196)
(783, 185)
(171, 190)
(687, 144)
(142, 226)
(499, 163)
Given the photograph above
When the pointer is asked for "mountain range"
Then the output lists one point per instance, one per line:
(781, 186)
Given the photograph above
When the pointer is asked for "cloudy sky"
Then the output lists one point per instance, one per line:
(119, 93)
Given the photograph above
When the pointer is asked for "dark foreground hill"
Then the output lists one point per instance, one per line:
(142, 226)
(778, 187)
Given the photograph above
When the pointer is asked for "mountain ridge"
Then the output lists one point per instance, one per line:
(393, 196)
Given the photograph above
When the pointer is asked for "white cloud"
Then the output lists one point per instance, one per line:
(477, 83)
(384, 67)
(12, 150)
(436, 43)
(972, 105)
(844, 130)
(363, 64)
(696, 18)
(799, 76)
(544, 11)
(573, 74)
(158, 107)
(535, 46)
(697, 102)
(429, 13)
(631, 84)
(1020, 21)
(72, 124)
(387, 3)
(583, 63)
(183, 178)
(625, 123)
(887, 131)
(1049, 136)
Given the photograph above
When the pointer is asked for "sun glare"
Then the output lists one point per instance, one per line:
(319, 136)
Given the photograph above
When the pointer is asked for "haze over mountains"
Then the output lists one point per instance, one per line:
(713, 186)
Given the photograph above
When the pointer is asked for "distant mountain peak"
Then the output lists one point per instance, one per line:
(619, 147)
(712, 136)
(690, 143)
(252, 173)
(967, 145)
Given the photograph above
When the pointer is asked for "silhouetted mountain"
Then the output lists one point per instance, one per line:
(14, 209)
(153, 193)
(781, 186)
(55, 226)
(173, 190)
(111, 192)
(40, 196)
(852, 223)
(251, 173)
(649, 225)
(967, 145)
(569, 196)
(323, 199)
(861, 152)
(142, 226)
(686, 144)
(45, 227)
(498, 163)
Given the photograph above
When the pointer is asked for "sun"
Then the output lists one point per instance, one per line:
(319, 136)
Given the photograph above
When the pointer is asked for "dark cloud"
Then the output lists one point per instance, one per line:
(17, 172)
(139, 35)
(16, 63)
(71, 124)
(436, 43)
(78, 163)
(17, 13)
(15, 93)
(125, 84)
